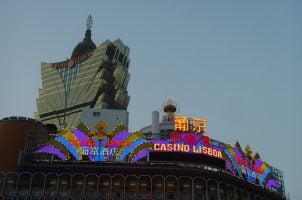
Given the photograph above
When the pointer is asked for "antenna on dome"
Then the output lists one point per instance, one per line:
(89, 22)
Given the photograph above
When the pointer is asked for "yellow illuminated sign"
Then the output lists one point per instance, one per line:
(185, 124)
(181, 123)
(199, 125)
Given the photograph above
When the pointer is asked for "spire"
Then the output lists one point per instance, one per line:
(89, 22)
(89, 26)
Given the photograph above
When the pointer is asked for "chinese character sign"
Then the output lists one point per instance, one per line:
(181, 123)
(185, 124)
(190, 139)
(175, 137)
(199, 125)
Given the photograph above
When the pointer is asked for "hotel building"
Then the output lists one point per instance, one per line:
(93, 77)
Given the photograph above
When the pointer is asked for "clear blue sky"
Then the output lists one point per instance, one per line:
(236, 63)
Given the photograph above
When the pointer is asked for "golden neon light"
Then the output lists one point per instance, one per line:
(181, 123)
(199, 125)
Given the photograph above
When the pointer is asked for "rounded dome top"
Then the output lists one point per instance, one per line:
(169, 107)
(85, 46)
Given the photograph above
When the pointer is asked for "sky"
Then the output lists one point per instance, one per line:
(236, 63)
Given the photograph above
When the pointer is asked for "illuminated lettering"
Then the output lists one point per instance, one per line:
(215, 153)
(175, 137)
(199, 125)
(219, 154)
(84, 151)
(170, 147)
(98, 151)
(92, 143)
(179, 147)
(190, 139)
(156, 147)
(187, 148)
(105, 152)
(205, 140)
(181, 123)
(208, 151)
(204, 150)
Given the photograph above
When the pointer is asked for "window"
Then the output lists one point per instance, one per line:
(121, 58)
(125, 60)
(110, 51)
(96, 114)
(116, 54)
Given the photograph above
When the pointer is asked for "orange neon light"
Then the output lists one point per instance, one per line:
(199, 125)
(181, 123)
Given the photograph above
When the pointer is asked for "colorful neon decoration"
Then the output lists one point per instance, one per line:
(123, 146)
(52, 150)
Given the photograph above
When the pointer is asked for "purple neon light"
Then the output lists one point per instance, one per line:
(217, 148)
(140, 155)
(81, 136)
(229, 167)
(258, 163)
(53, 150)
(121, 136)
(238, 153)
(272, 183)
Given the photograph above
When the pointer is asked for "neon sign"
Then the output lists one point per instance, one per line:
(189, 138)
(123, 146)
(187, 148)
(185, 124)
(99, 151)
(91, 142)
